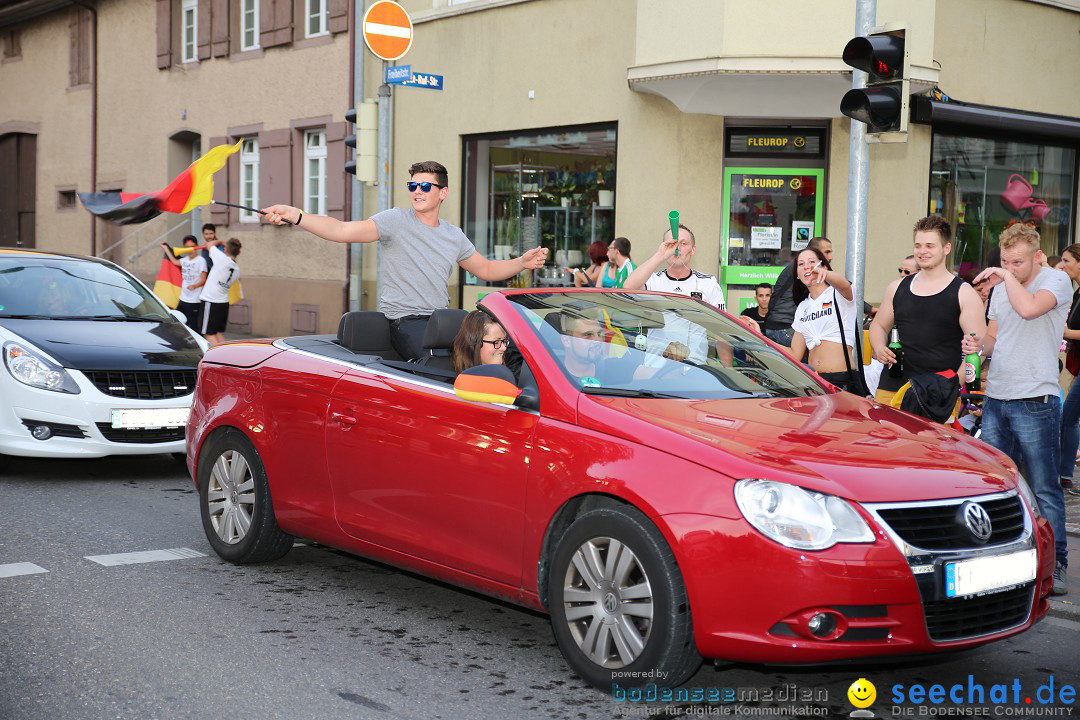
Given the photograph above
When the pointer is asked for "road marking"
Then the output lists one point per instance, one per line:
(146, 556)
(24, 568)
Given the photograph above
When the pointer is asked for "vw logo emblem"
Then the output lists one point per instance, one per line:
(610, 603)
(977, 521)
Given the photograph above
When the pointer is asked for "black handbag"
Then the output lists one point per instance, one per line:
(858, 380)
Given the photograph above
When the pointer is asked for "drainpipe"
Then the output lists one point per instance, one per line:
(93, 112)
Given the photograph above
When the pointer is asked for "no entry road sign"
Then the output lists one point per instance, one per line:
(388, 30)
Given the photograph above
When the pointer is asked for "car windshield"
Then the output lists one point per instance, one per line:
(644, 345)
(71, 289)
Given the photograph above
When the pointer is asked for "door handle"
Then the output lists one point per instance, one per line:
(343, 419)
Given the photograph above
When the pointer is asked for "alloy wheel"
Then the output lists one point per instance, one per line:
(608, 602)
(230, 497)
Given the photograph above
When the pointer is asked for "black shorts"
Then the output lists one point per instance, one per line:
(215, 316)
(193, 313)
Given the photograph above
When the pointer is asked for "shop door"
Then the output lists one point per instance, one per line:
(770, 214)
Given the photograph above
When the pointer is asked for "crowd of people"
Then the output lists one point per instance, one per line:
(207, 278)
(1015, 314)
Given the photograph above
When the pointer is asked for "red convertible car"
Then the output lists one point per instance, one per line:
(664, 482)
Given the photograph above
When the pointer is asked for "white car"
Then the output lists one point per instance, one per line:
(94, 363)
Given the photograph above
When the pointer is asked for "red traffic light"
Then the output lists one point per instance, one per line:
(879, 107)
(880, 56)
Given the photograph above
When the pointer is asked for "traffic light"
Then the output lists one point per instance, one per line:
(364, 140)
(883, 103)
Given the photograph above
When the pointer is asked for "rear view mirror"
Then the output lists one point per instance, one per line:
(487, 383)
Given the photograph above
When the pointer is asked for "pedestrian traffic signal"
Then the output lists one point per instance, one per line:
(364, 140)
(883, 103)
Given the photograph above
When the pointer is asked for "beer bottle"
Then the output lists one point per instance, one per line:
(972, 370)
(896, 370)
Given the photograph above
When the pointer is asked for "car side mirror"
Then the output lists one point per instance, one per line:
(488, 383)
(179, 316)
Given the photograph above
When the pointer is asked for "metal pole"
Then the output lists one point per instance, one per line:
(384, 152)
(858, 177)
(356, 250)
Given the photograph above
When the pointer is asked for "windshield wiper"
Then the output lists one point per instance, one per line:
(624, 392)
(25, 317)
(108, 318)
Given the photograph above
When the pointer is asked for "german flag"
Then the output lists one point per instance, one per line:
(487, 383)
(191, 189)
(170, 281)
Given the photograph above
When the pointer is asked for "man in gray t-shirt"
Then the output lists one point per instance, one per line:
(418, 253)
(1022, 410)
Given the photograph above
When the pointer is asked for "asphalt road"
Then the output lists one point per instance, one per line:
(321, 634)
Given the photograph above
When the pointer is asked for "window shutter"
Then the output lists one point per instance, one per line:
(339, 16)
(275, 167)
(275, 22)
(335, 170)
(232, 192)
(73, 35)
(164, 34)
(219, 28)
(219, 213)
(204, 30)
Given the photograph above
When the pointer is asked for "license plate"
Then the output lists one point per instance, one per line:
(968, 577)
(150, 418)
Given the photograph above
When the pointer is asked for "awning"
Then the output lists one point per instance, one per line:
(985, 117)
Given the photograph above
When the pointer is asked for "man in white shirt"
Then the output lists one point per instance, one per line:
(215, 293)
(193, 270)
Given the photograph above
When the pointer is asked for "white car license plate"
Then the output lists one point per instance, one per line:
(146, 418)
(968, 577)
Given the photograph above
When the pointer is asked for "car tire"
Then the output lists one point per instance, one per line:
(5, 462)
(234, 501)
(632, 614)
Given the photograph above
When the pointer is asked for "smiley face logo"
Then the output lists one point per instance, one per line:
(862, 693)
(796, 183)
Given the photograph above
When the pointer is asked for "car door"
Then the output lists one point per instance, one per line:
(416, 469)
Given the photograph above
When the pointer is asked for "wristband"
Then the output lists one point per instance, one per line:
(299, 214)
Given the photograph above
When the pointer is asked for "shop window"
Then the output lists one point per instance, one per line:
(982, 184)
(552, 188)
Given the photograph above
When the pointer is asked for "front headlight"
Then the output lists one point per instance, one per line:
(32, 369)
(799, 518)
(1025, 490)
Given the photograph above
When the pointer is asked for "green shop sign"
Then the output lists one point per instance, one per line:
(750, 275)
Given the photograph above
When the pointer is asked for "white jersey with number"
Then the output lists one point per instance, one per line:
(222, 275)
(697, 285)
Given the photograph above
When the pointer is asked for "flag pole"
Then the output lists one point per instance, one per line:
(245, 207)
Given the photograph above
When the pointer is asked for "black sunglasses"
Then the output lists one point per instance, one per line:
(424, 186)
(903, 271)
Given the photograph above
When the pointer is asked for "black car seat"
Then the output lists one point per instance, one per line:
(366, 333)
(442, 328)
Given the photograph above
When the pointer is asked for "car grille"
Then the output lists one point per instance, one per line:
(933, 527)
(141, 435)
(959, 618)
(58, 429)
(143, 385)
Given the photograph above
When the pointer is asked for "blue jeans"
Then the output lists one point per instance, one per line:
(1070, 431)
(1021, 428)
(780, 336)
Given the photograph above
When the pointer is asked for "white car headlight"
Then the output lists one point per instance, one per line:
(1025, 490)
(799, 518)
(32, 369)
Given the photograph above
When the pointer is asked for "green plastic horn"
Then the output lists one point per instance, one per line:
(673, 216)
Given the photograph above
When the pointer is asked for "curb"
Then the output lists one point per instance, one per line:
(1064, 609)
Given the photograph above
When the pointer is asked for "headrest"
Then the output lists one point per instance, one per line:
(442, 328)
(365, 332)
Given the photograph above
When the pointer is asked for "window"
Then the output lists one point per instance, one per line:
(249, 179)
(315, 14)
(12, 46)
(981, 184)
(315, 172)
(66, 199)
(249, 25)
(189, 31)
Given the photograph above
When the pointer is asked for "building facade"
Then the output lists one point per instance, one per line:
(562, 122)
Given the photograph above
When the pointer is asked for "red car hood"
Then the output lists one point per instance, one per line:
(837, 444)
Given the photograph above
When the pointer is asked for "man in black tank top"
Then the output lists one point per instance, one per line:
(932, 310)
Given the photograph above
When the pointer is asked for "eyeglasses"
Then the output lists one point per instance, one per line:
(497, 344)
(903, 271)
(424, 186)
